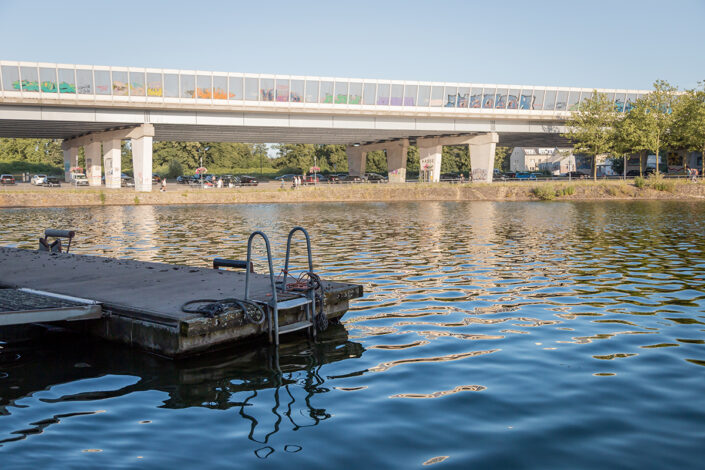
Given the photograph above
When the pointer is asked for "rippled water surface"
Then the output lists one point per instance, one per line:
(491, 335)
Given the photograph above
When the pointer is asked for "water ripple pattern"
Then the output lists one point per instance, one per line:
(493, 335)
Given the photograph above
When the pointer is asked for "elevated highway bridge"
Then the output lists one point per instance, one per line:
(99, 106)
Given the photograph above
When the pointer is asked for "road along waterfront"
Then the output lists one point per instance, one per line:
(493, 335)
(68, 196)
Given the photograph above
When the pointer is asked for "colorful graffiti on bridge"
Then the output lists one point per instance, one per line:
(46, 87)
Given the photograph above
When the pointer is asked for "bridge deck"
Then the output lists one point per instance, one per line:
(143, 299)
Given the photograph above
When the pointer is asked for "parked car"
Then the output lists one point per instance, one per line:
(285, 178)
(248, 180)
(375, 178)
(7, 179)
(79, 179)
(156, 179)
(182, 180)
(525, 175)
(127, 181)
(38, 179)
(633, 173)
(350, 179)
(52, 182)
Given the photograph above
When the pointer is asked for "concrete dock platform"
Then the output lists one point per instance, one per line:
(141, 301)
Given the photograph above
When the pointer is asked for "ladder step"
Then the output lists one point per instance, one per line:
(294, 327)
(297, 302)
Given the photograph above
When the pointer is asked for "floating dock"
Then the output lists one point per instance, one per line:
(139, 303)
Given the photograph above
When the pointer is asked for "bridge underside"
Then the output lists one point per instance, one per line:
(257, 134)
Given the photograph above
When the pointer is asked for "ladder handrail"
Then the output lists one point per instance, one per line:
(288, 250)
(273, 301)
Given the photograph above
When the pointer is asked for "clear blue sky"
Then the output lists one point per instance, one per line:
(597, 43)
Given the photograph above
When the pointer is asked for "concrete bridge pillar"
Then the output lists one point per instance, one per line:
(396, 160)
(70, 159)
(112, 162)
(93, 167)
(141, 140)
(430, 156)
(482, 148)
(357, 160)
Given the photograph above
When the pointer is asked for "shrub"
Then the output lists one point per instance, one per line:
(102, 197)
(660, 184)
(639, 182)
(174, 169)
(567, 191)
(544, 192)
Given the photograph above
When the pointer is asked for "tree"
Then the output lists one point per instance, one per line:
(656, 118)
(501, 160)
(590, 128)
(296, 157)
(688, 130)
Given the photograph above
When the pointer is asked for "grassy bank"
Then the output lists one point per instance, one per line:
(29, 196)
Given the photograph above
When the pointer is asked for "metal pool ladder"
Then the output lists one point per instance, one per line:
(274, 305)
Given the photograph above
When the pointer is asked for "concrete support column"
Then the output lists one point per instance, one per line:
(112, 163)
(482, 149)
(396, 160)
(430, 157)
(142, 157)
(357, 160)
(93, 167)
(70, 159)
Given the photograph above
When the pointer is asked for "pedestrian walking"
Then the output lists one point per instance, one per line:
(163, 188)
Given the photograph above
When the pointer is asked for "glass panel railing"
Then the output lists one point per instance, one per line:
(171, 85)
(29, 78)
(369, 93)
(451, 96)
(282, 90)
(266, 89)
(573, 100)
(251, 89)
(84, 81)
(500, 100)
(11, 78)
(631, 102)
(235, 88)
(204, 87)
(463, 97)
(488, 97)
(355, 93)
(154, 84)
(341, 93)
(102, 82)
(296, 91)
(549, 101)
(562, 101)
(326, 92)
(119, 83)
(538, 99)
(220, 87)
(526, 99)
(619, 101)
(476, 98)
(410, 95)
(397, 95)
(383, 90)
(188, 86)
(437, 96)
(47, 80)
(137, 84)
(424, 95)
(513, 99)
(312, 91)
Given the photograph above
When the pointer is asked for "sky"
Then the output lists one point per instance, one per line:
(596, 43)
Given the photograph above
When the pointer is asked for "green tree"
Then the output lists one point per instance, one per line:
(656, 119)
(501, 158)
(377, 162)
(590, 128)
(688, 129)
(295, 157)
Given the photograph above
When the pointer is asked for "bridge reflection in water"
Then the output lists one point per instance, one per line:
(272, 390)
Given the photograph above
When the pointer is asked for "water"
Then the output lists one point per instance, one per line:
(491, 335)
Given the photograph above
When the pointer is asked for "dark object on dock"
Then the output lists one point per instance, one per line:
(55, 246)
(141, 301)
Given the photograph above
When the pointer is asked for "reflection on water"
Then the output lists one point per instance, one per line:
(508, 335)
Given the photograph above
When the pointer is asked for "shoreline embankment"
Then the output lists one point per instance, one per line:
(66, 196)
